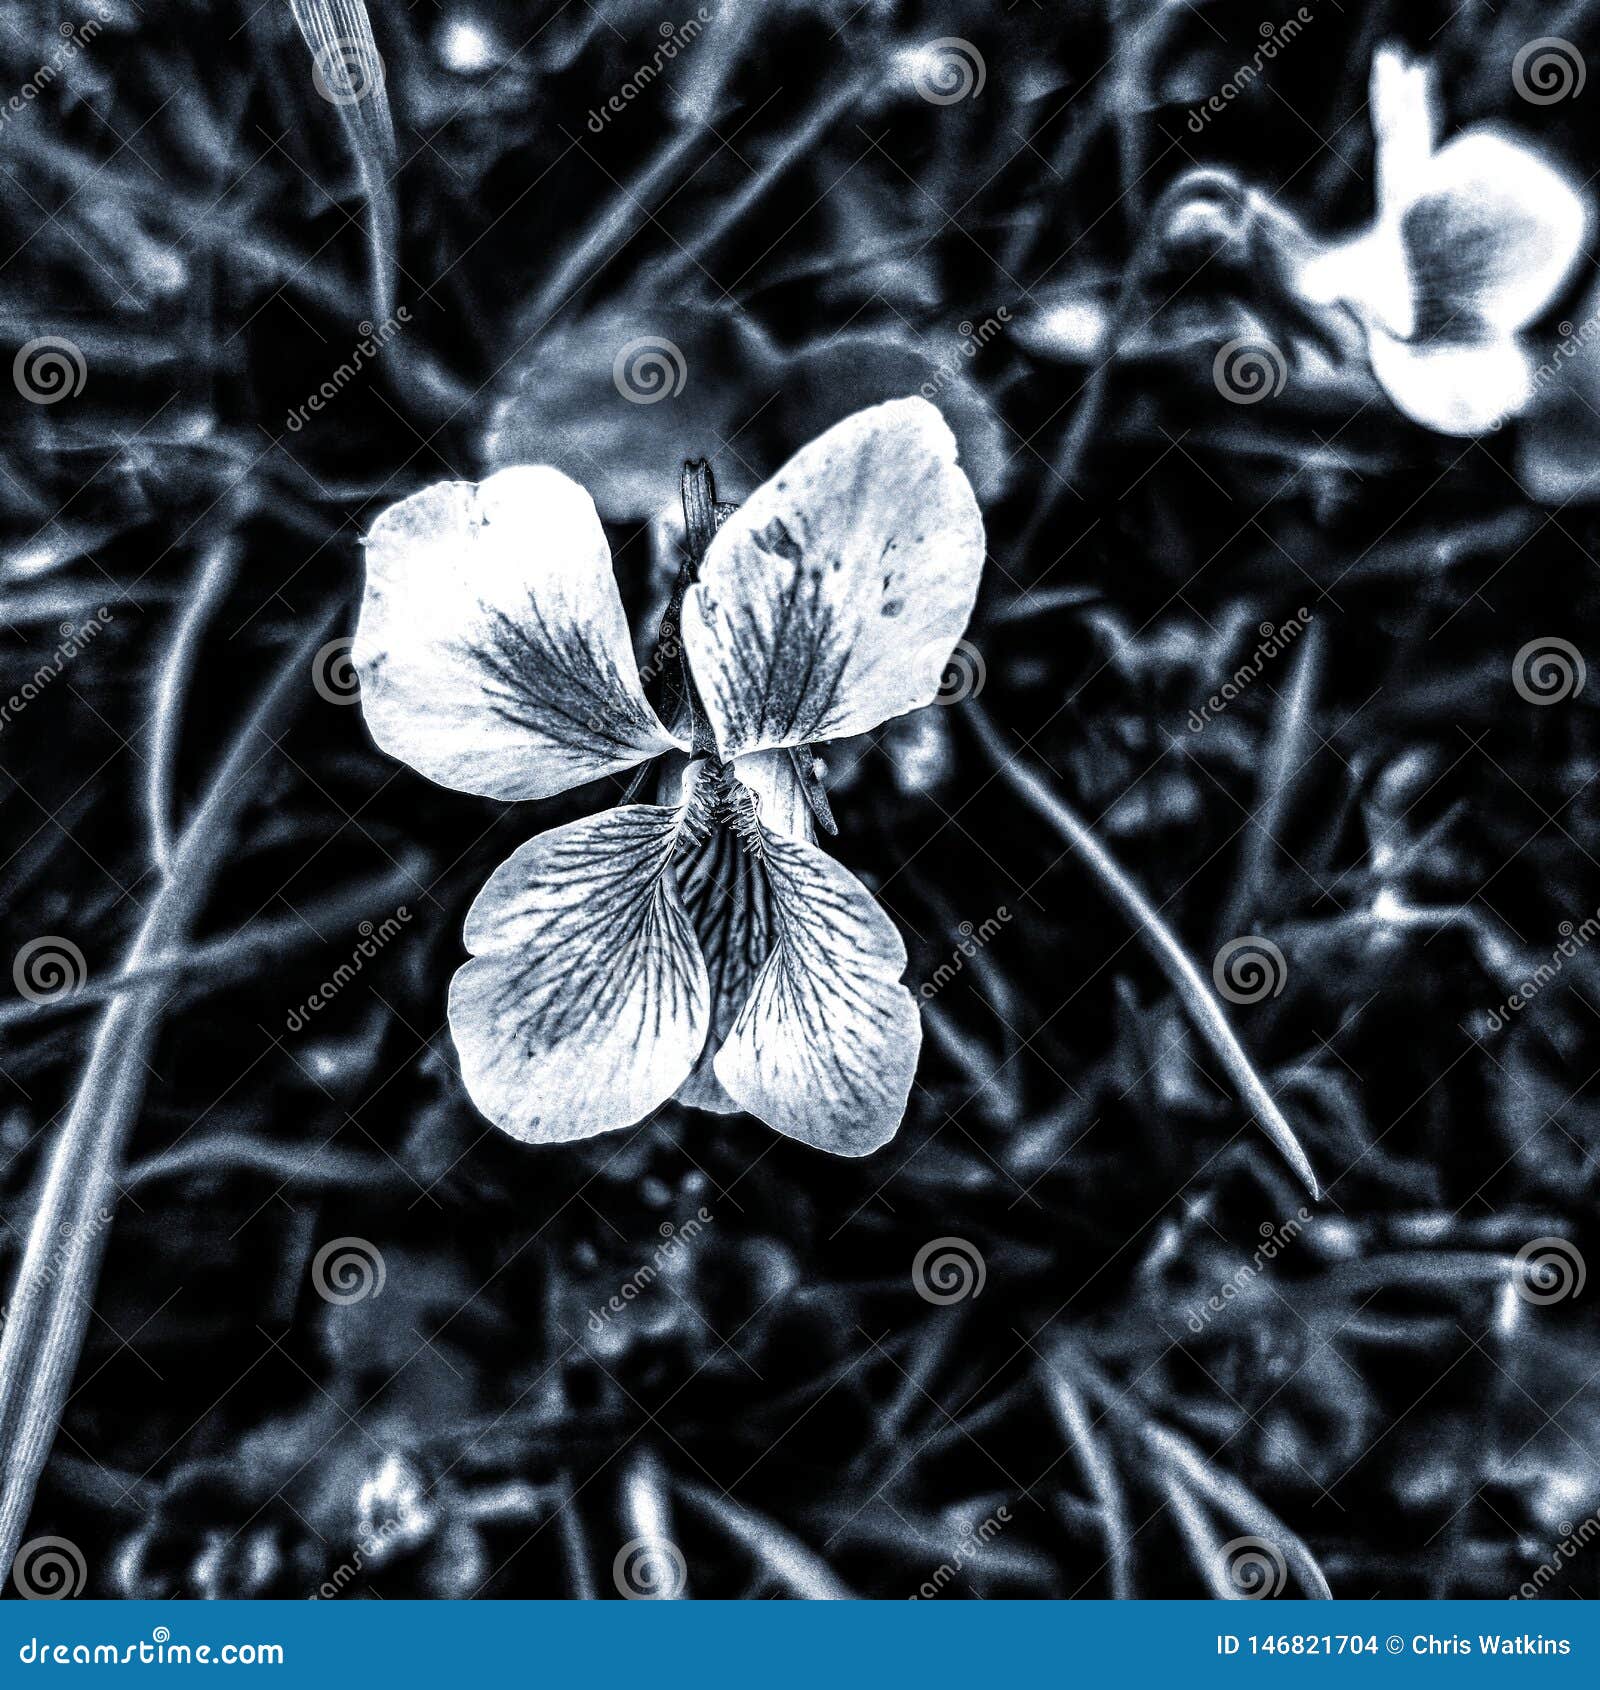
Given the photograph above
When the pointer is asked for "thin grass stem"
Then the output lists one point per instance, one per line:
(1285, 757)
(613, 229)
(1193, 992)
(1099, 1473)
(234, 956)
(798, 1569)
(676, 265)
(1091, 395)
(211, 585)
(654, 1568)
(55, 1282)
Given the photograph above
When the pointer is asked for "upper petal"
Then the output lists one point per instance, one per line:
(586, 1002)
(1491, 233)
(825, 1048)
(492, 648)
(1369, 271)
(1404, 121)
(831, 600)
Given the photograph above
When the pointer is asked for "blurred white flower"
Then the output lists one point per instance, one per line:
(1471, 243)
(700, 947)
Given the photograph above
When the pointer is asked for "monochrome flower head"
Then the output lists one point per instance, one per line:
(1471, 243)
(700, 946)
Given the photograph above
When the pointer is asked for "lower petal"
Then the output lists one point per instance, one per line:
(725, 891)
(586, 1001)
(825, 1048)
(1454, 389)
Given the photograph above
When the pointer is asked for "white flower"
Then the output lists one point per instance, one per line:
(703, 946)
(1472, 242)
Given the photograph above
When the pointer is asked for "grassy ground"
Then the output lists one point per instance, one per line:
(810, 233)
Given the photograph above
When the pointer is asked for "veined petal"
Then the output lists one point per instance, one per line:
(725, 890)
(831, 600)
(825, 1048)
(1453, 388)
(492, 648)
(586, 1002)
(1491, 235)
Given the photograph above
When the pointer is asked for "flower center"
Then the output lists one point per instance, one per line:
(719, 799)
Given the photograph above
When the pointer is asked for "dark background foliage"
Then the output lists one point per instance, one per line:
(811, 234)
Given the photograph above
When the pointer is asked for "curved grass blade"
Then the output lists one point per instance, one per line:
(50, 1302)
(800, 1570)
(1100, 1472)
(1174, 960)
(347, 71)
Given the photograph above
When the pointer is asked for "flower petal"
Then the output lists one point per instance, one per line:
(831, 600)
(1369, 273)
(1404, 120)
(780, 803)
(725, 890)
(1453, 389)
(585, 1003)
(492, 648)
(826, 1047)
(1491, 236)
